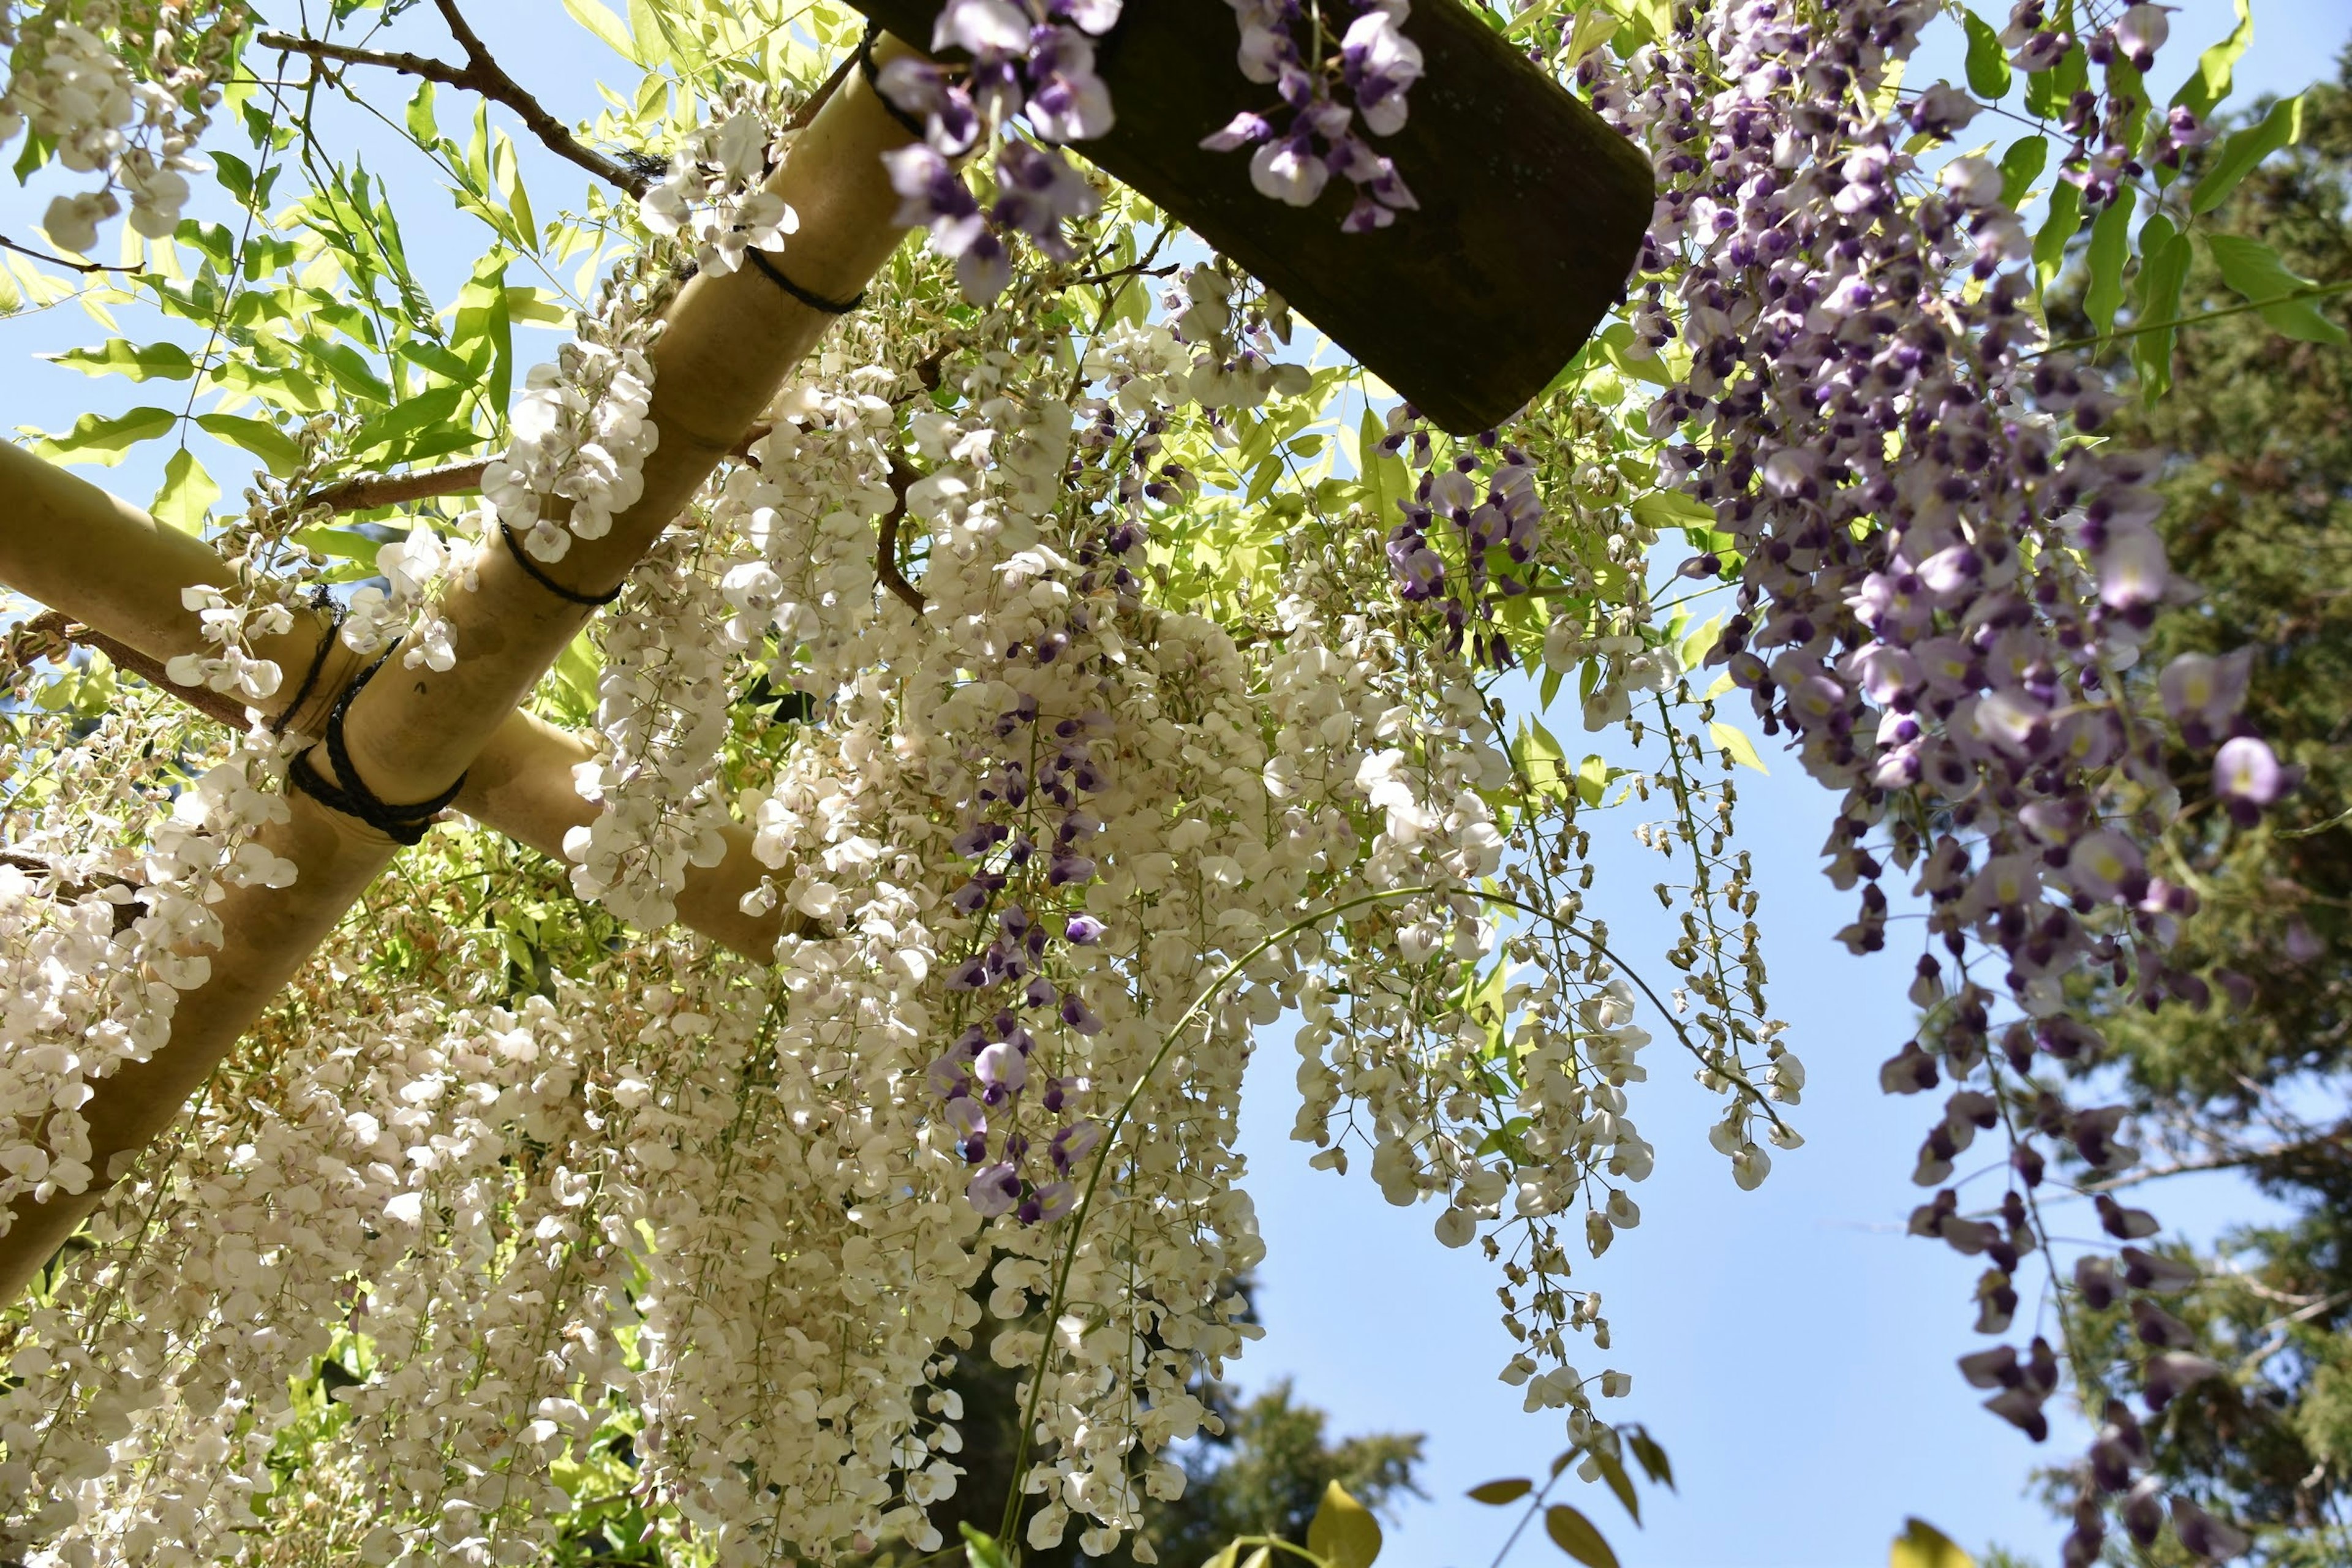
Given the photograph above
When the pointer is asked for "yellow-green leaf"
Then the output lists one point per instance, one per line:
(2255, 271)
(1988, 62)
(2245, 149)
(610, 29)
(97, 439)
(188, 493)
(1922, 1545)
(2110, 242)
(1343, 1533)
(1575, 1534)
(148, 362)
(1733, 739)
(1497, 1493)
(1671, 509)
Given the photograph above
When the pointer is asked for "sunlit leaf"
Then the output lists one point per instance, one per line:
(150, 362)
(1987, 63)
(188, 493)
(95, 438)
(2110, 244)
(2255, 271)
(1922, 1545)
(1343, 1532)
(2245, 149)
(1497, 1493)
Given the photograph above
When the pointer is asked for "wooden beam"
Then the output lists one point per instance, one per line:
(1532, 209)
(519, 785)
(730, 341)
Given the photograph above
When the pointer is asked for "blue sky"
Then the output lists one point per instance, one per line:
(1790, 1347)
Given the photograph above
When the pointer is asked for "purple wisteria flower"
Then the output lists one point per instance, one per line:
(1297, 155)
(1035, 58)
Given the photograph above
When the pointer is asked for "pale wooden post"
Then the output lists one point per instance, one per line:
(56, 523)
(730, 341)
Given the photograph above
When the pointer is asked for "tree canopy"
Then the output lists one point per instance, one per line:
(612, 939)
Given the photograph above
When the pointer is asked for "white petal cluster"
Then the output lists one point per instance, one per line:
(97, 940)
(711, 201)
(1065, 835)
(407, 609)
(580, 431)
(230, 626)
(107, 86)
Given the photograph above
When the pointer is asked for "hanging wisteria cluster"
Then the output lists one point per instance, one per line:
(119, 88)
(1080, 717)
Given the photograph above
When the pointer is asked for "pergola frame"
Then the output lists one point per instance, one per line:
(729, 343)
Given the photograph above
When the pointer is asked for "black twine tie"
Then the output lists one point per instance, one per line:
(532, 570)
(775, 274)
(867, 69)
(401, 823)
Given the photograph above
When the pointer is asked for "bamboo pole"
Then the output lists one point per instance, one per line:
(730, 341)
(57, 524)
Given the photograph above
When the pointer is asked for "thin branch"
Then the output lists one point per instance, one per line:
(7, 244)
(366, 492)
(885, 544)
(2234, 1160)
(481, 74)
(2317, 291)
(126, 911)
(213, 705)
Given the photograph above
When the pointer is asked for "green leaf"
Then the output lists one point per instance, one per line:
(2163, 266)
(1496, 1494)
(1671, 509)
(350, 369)
(1613, 1470)
(2110, 242)
(97, 439)
(280, 452)
(2021, 166)
(412, 415)
(1652, 1457)
(1922, 1545)
(1574, 1534)
(422, 122)
(609, 29)
(1989, 72)
(981, 1551)
(2211, 82)
(652, 42)
(2255, 271)
(150, 362)
(2245, 149)
(1343, 1532)
(1733, 739)
(185, 502)
(2065, 220)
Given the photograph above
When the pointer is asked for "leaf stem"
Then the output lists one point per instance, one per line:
(2316, 292)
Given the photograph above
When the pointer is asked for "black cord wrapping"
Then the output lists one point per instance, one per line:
(531, 569)
(325, 601)
(775, 274)
(867, 69)
(401, 823)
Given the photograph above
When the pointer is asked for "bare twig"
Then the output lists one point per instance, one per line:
(212, 704)
(7, 244)
(481, 74)
(366, 492)
(885, 544)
